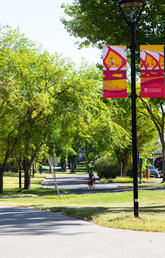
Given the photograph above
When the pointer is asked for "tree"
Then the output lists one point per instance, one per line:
(154, 108)
(122, 116)
(98, 22)
(83, 119)
(39, 92)
(31, 83)
(11, 121)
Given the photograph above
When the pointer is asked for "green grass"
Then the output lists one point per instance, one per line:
(80, 169)
(126, 180)
(113, 210)
(11, 185)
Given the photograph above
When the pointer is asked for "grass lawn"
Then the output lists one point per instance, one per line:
(80, 169)
(126, 180)
(107, 209)
(11, 185)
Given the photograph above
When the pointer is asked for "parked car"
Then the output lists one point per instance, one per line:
(153, 171)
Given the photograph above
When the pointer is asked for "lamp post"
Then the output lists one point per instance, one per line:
(132, 22)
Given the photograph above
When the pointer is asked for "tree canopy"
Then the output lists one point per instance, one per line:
(48, 104)
(99, 22)
(50, 107)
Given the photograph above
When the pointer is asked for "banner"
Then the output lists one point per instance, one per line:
(152, 71)
(114, 72)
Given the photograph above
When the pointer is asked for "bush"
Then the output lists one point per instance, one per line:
(129, 171)
(106, 168)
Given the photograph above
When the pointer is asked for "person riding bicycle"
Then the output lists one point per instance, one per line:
(91, 178)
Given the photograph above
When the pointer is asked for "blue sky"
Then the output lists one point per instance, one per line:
(40, 21)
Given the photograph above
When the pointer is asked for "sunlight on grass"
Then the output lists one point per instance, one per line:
(125, 220)
(125, 180)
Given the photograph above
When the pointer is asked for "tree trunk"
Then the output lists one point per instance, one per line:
(27, 174)
(34, 170)
(20, 174)
(1, 180)
(73, 166)
(123, 168)
(87, 160)
(122, 157)
(63, 165)
(163, 161)
(20, 179)
(2, 170)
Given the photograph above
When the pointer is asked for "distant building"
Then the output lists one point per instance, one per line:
(81, 155)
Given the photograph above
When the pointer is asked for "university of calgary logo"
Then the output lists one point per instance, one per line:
(152, 71)
(114, 71)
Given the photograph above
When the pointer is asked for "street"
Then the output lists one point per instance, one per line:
(77, 184)
(31, 233)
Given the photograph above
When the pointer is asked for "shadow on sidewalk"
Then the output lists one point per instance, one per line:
(24, 221)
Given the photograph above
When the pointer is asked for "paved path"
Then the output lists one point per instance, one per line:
(77, 184)
(30, 233)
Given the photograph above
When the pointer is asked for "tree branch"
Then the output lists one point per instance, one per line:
(153, 118)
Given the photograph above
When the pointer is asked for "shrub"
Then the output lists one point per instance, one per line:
(129, 171)
(106, 168)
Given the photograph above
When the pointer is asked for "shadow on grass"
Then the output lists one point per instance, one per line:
(88, 213)
(153, 209)
(38, 191)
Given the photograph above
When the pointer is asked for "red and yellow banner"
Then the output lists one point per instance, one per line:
(152, 71)
(114, 72)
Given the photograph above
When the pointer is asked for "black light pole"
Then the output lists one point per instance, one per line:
(131, 22)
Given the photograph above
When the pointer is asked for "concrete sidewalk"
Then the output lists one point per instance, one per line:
(31, 233)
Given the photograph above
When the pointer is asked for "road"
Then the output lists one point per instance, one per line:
(31, 233)
(77, 184)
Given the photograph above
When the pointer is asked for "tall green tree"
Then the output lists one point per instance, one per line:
(31, 83)
(99, 22)
(155, 110)
(146, 132)
(84, 120)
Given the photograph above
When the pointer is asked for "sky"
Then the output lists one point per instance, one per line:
(40, 21)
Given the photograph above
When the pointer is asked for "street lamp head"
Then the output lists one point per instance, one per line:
(130, 3)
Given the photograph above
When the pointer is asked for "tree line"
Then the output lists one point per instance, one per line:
(99, 22)
(48, 107)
